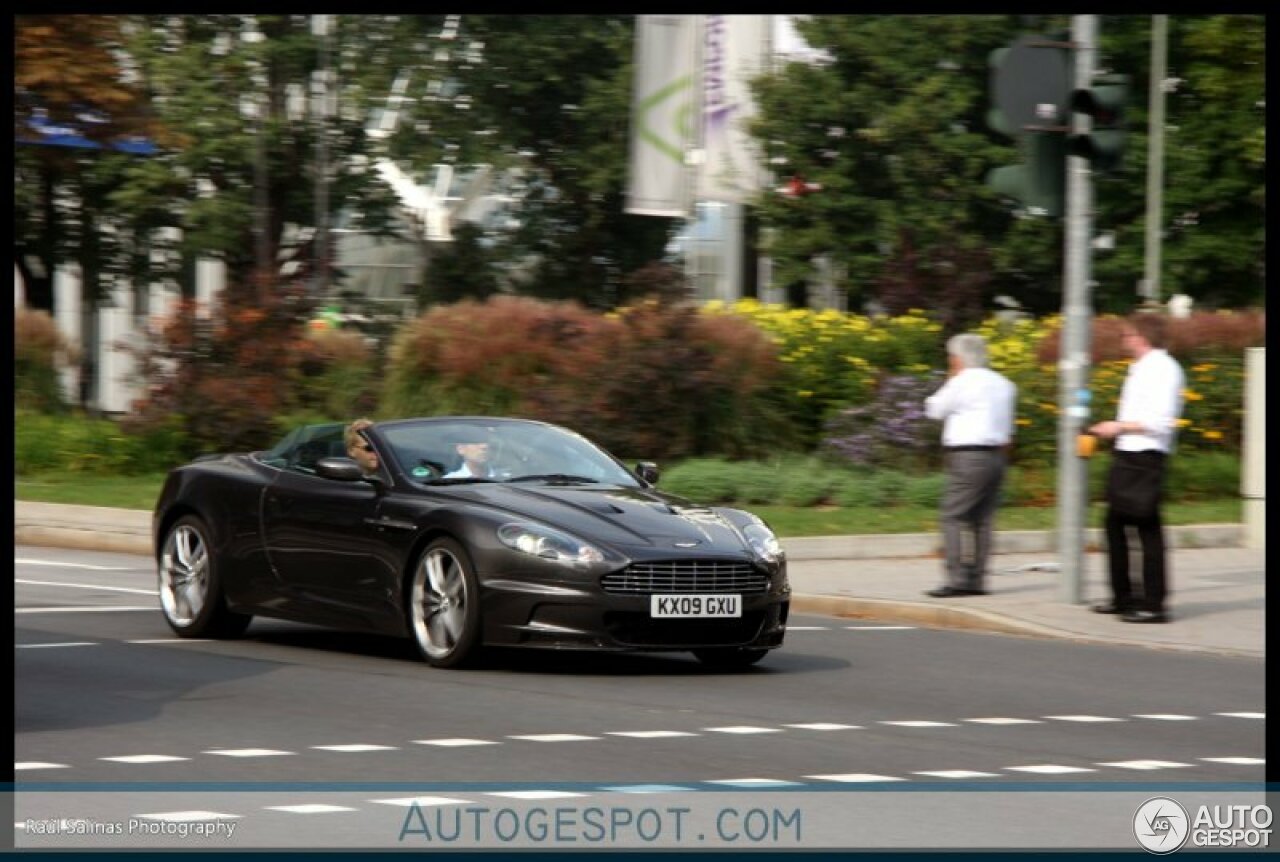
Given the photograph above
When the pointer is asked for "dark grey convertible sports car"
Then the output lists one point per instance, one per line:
(470, 531)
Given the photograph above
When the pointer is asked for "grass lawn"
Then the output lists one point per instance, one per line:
(140, 492)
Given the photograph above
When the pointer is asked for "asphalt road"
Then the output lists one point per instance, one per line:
(259, 730)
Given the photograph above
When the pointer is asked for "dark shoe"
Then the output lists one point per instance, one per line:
(1110, 608)
(1146, 617)
(948, 592)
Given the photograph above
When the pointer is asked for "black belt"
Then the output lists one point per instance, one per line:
(971, 448)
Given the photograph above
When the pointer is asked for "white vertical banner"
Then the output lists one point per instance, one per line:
(662, 114)
(735, 49)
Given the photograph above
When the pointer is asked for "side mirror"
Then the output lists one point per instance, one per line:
(648, 471)
(342, 469)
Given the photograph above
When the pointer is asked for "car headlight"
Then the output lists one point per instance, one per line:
(763, 542)
(541, 541)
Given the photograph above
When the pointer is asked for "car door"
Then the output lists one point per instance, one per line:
(323, 539)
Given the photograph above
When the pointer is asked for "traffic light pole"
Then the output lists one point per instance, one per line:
(1077, 315)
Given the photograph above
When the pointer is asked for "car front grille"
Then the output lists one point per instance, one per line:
(687, 576)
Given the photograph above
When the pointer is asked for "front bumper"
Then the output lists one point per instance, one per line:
(576, 615)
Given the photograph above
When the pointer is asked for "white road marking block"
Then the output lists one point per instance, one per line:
(145, 758)
(649, 734)
(742, 728)
(1261, 715)
(355, 747)
(918, 723)
(310, 809)
(1003, 721)
(754, 782)
(553, 737)
(1049, 769)
(1084, 719)
(1236, 761)
(456, 742)
(535, 794)
(248, 752)
(855, 777)
(959, 774)
(822, 725)
(151, 609)
(56, 645)
(1165, 716)
(37, 764)
(1145, 764)
(410, 801)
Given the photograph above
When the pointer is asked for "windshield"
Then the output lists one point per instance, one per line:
(492, 450)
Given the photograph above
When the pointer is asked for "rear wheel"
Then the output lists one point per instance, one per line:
(444, 605)
(729, 658)
(191, 594)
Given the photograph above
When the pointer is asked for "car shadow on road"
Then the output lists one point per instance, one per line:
(561, 662)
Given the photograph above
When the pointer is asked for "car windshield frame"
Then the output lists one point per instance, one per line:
(520, 450)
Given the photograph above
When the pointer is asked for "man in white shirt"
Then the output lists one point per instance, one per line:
(473, 447)
(976, 406)
(1150, 405)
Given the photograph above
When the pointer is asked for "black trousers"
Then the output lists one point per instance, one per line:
(1121, 514)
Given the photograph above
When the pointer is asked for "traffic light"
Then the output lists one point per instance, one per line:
(1029, 89)
(1039, 183)
(1104, 103)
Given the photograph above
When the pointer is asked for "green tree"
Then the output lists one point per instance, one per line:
(547, 96)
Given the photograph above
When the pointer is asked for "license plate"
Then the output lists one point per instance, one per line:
(715, 605)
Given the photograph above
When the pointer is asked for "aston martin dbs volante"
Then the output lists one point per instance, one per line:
(468, 531)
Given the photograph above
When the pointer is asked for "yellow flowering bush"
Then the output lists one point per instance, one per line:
(831, 361)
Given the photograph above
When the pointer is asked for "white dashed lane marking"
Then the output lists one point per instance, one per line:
(918, 723)
(755, 782)
(462, 742)
(456, 742)
(92, 609)
(1236, 761)
(61, 565)
(649, 734)
(188, 816)
(1049, 769)
(314, 808)
(421, 801)
(535, 794)
(880, 628)
(958, 774)
(855, 777)
(1145, 764)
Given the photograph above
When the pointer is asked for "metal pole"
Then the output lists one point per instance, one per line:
(1150, 291)
(320, 27)
(1073, 362)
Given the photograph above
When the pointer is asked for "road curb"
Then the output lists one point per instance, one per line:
(971, 619)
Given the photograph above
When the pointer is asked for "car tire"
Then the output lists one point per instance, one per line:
(444, 605)
(729, 658)
(191, 596)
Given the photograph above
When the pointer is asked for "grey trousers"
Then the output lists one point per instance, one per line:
(969, 507)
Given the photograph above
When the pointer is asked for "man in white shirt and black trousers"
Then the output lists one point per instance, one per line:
(1150, 405)
(976, 406)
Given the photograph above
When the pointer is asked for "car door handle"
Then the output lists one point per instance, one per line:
(387, 523)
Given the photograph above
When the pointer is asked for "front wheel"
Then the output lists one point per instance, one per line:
(444, 605)
(729, 658)
(191, 594)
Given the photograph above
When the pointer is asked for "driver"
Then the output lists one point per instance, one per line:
(358, 447)
(473, 445)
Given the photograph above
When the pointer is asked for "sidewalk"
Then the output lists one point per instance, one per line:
(1217, 588)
